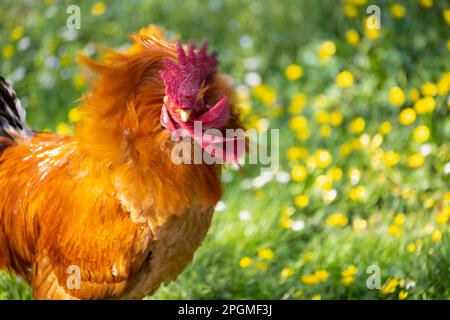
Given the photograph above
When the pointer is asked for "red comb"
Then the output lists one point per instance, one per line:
(183, 80)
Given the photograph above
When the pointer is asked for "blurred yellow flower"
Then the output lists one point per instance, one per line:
(297, 293)
(335, 173)
(79, 81)
(336, 118)
(407, 116)
(245, 262)
(296, 153)
(323, 158)
(260, 265)
(443, 216)
(8, 51)
(402, 295)
(399, 219)
(390, 286)
(350, 271)
(298, 123)
(322, 275)
(357, 193)
(411, 247)
(385, 128)
(325, 131)
(443, 85)
(397, 10)
(298, 102)
(352, 37)
(348, 281)
(391, 158)
(98, 9)
(286, 223)
(350, 11)
(75, 115)
(425, 105)
(396, 96)
(436, 235)
(446, 14)
(421, 133)
(324, 182)
(322, 117)
(416, 160)
(293, 72)
(344, 79)
(370, 31)
(316, 297)
(359, 225)
(301, 200)
(308, 257)
(337, 220)
(315, 278)
(299, 173)
(429, 89)
(287, 272)
(357, 125)
(264, 93)
(17, 33)
(326, 50)
(265, 253)
(414, 94)
(426, 3)
(395, 230)
(63, 128)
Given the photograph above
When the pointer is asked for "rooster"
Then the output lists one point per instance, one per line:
(106, 213)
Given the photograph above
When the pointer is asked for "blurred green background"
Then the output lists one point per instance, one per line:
(364, 119)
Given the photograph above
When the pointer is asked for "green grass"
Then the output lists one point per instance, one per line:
(410, 51)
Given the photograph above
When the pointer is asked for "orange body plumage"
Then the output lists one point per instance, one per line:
(107, 205)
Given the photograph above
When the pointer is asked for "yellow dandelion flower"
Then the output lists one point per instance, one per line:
(446, 196)
(336, 173)
(396, 96)
(350, 11)
(265, 253)
(296, 153)
(322, 117)
(348, 281)
(309, 279)
(298, 102)
(337, 220)
(63, 128)
(264, 93)
(402, 295)
(357, 193)
(293, 72)
(425, 105)
(358, 125)
(395, 230)
(17, 33)
(336, 118)
(323, 158)
(326, 50)
(407, 116)
(411, 247)
(443, 86)
(286, 222)
(8, 51)
(245, 262)
(370, 31)
(426, 3)
(287, 272)
(399, 219)
(299, 173)
(429, 89)
(397, 10)
(350, 271)
(446, 14)
(75, 115)
(416, 160)
(421, 133)
(352, 37)
(325, 131)
(322, 275)
(391, 158)
(79, 81)
(390, 286)
(443, 216)
(436, 235)
(359, 225)
(414, 94)
(301, 200)
(316, 297)
(298, 123)
(344, 79)
(385, 128)
(98, 9)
